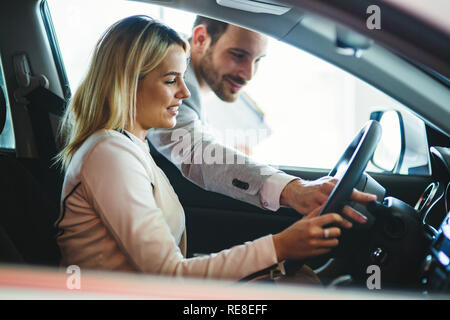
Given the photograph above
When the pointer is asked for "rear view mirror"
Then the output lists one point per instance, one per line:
(403, 146)
(387, 155)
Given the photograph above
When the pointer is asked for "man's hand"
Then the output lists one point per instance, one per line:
(305, 196)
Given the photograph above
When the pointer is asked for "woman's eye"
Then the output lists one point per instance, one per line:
(171, 81)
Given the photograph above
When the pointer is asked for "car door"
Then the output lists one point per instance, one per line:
(215, 222)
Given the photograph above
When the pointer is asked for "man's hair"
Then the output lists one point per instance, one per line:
(215, 28)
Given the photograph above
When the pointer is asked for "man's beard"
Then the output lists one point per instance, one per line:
(211, 77)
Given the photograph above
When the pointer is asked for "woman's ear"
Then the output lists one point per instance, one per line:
(200, 39)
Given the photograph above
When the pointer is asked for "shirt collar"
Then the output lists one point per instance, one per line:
(142, 144)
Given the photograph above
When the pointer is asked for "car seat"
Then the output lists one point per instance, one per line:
(29, 198)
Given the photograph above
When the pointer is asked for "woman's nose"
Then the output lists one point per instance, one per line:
(184, 92)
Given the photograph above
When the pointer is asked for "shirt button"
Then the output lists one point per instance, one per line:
(265, 203)
(240, 184)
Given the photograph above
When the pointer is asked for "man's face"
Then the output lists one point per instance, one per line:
(232, 61)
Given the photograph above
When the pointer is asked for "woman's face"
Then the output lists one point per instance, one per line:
(161, 92)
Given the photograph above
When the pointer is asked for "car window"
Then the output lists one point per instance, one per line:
(7, 141)
(314, 109)
(298, 111)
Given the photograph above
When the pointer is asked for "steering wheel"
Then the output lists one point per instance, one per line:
(351, 165)
(358, 248)
(348, 171)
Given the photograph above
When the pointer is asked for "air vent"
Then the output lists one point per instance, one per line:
(254, 6)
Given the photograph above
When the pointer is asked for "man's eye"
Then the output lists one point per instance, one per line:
(171, 81)
(237, 55)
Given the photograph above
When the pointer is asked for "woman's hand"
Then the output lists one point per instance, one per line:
(310, 237)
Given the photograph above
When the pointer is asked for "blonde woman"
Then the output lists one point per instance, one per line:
(119, 211)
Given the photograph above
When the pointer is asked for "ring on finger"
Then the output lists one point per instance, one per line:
(326, 233)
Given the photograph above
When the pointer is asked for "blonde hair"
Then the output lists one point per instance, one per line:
(106, 98)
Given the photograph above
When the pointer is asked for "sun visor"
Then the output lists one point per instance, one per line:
(254, 6)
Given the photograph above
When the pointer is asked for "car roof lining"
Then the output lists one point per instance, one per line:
(211, 9)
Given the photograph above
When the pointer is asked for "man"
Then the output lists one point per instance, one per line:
(223, 59)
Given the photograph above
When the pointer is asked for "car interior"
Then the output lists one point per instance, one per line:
(408, 234)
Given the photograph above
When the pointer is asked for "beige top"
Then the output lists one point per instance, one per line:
(119, 212)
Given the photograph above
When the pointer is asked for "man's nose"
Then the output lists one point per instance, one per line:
(248, 70)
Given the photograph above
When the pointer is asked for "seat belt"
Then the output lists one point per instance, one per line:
(41, 103)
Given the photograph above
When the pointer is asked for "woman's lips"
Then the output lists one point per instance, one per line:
(173, 110)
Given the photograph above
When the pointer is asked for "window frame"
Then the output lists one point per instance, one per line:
(56, 52)
(4, 92)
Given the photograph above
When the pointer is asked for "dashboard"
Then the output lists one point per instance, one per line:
(433, 207)
(433, 204)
